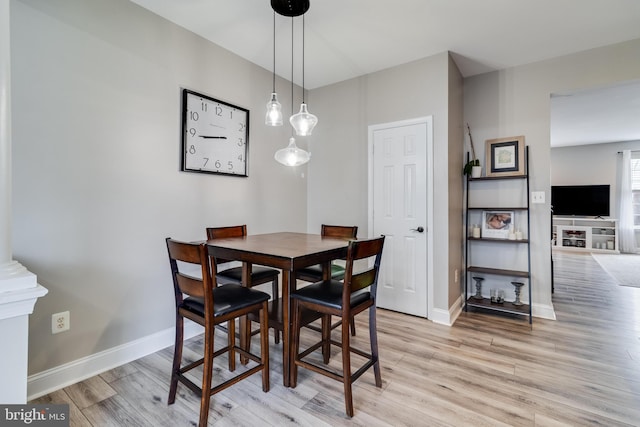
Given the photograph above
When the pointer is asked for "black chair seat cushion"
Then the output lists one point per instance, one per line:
(258, 273)
(337, 271)
(329, 294)
(226, 299)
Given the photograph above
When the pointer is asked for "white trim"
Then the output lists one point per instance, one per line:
(20, 302)
(543, 311)
(428, 121)
(78, 370)
(448, 318)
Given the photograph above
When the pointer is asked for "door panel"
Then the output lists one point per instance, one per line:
(399, 210)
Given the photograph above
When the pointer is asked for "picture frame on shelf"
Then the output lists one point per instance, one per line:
(497, 224)
(505, 156)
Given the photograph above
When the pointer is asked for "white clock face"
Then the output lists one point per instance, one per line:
(215, 135)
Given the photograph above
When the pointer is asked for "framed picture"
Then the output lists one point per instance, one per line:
(497, 224)
(505, 156)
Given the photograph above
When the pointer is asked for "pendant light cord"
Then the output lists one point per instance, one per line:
(274, 51)
(303, 58)
(292, 130)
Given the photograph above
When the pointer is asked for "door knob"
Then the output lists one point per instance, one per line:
(419, 229)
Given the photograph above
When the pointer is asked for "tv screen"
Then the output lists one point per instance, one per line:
(580, 200)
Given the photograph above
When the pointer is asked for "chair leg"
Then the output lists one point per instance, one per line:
(346, 368)
(177, 358)
(231, 342)
(353, 326)
(207, 374)
(326, 338)
(264, 345)
(373, 338)
(275, 294)
(297, 318)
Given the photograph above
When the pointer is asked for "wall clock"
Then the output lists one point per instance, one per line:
(215, 135)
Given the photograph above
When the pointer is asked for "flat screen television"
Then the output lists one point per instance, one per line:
(580, 200)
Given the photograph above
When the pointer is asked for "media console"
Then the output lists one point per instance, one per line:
(585, 234)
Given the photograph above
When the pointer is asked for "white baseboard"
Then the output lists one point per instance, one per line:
(544, 311)
(447, 317)
(78, 370)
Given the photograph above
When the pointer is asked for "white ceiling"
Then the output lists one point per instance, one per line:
(349, 38)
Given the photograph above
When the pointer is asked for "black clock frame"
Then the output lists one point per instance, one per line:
(185, 112)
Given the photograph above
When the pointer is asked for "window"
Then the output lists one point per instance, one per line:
(635, 187)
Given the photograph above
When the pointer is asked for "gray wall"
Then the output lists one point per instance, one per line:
(96, 153)
(516, 101)
(338, 173)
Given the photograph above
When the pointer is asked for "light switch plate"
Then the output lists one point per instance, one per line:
(537, 197)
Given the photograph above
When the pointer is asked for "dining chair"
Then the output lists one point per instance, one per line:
(200, 300)
(314, 273)
(259, 274)
(347, 298)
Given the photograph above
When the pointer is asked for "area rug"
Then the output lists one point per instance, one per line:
(625, 269)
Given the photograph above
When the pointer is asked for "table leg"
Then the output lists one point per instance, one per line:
(287, 355)
(245, 324)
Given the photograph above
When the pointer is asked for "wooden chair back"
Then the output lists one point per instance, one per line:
(349, 232)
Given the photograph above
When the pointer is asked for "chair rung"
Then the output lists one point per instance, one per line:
(190, 385)
(362, 370)
(310, 350)
(190, 366)
(248, 355)
(320, 370)
(237, 378)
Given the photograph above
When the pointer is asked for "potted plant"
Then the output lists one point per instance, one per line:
(472, 167)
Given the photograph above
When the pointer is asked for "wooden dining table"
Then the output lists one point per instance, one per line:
(288, 252)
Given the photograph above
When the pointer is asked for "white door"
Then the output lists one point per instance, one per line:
(399, 179)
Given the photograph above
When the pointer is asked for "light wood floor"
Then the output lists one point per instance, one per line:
(486, 370)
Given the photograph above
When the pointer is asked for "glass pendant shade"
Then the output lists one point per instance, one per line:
(274, 112)
(303, 122)
(292, 155)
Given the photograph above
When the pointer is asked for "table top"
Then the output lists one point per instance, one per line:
(285, 250)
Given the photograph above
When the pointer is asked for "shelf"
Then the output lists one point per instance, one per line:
(502, 208)
(498, 271)
(491, 252)
(585, 234)
(505, 307)
(489, 239)
(497, 178)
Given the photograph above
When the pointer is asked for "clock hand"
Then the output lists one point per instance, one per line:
(212, 137)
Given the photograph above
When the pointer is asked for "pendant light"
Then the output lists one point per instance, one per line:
(292, 155)
(303, 122)
(274, 109)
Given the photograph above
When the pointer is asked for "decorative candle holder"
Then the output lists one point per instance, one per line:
(478, 294)
(500, 299)
(518, 285)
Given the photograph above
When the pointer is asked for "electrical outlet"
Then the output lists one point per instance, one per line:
(60, 322)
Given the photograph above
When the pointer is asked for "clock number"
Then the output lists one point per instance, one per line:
(204, 106)
(240, 157)
(218, 164)
(230, 163)
(206, 160)
(241, 127)
(240, 142)
(192, 149)
(192, 131)
(218, 111)
(194, 116)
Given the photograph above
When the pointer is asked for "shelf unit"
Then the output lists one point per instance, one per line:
(585, 234)
(521, 270)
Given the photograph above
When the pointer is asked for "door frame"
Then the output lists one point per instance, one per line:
(428, 121)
